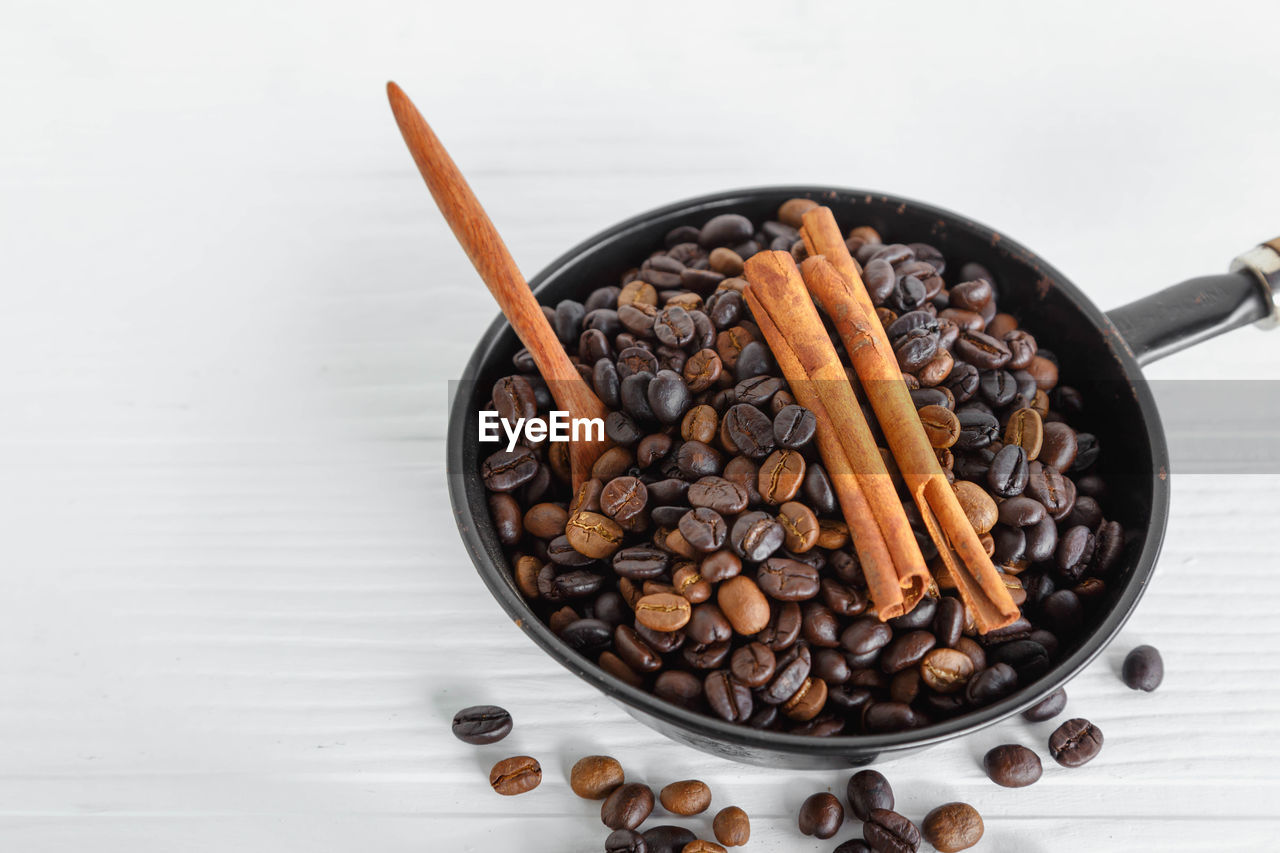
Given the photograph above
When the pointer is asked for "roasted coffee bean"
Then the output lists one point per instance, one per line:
(821, 815)
(757, 391)
(946, 670)
(866, 635)
(702, 370)
(978, 506)
(750, 429)
(634, 651)
(954, 826)
(700, 423)
(1074, 552)
(708, 625)
(853, 845)
(1063, 613)
(588, 636)
(516, 775)
(746, 474)
(640, 562)
(1012, 766)
(1143, 669)
(818, 491)
(889, 832)
(906, 651)
(1041, 541)
(867, 791)
(700, 845)
(626, 841)
(508, 470)
(663, 612)
(673, 326)
(800, 527)
(790, 675)
(732, 827)
(720, 566)
(695, 460)
(1025, 430)
(978, 428)
(507, 518)
(819, 625)
(941, 426)
(668, 839)
(481, 724)
(794, 427)
(1047, 708)
(595, 777)
(1075, 742)
(981, 350)
(623, 498)
(743, 604)
(997, 387)
(783, 626)
(704, 529)
(783, 579)
(991, 684)
(593, 535)
(754, 360)
(756, 535)
(780, 476)
(718, 494)
(1009, 472)
(883, 717)
(753, 664)
(627, 806)
(1047, 485)
(686, 798)
(727, 229)
(1029, 659)
(1059, 446)
(807, 702)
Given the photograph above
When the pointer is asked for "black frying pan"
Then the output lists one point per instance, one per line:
(1101, 354)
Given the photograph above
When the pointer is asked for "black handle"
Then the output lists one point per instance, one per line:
(1201, 308)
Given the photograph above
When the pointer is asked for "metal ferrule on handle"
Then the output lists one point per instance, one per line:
(1264, 262)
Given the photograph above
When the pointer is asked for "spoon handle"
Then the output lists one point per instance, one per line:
(488, 253)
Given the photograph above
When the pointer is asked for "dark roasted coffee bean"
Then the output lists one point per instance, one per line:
(1063, 613)
(991, 684)
(719, 494)
(756, 535)
(679, 687)
(674, 326)
(626, 841)
(831, 666)
(906, 651)
(1075, 550)
(818, 491)
(1085, 511)
(843, 599)
(481, 724)
(750, 429)
(1029, 659)
(1047, 485)
(853, 845)
(516, 775)
(704, 529)
(915, 349)
(702, 370)
(754, 360)
(921, 616)
(977, 429)
(634, 651)
(668, 839)
(998, 387)
(708, 624)
(668, 396)
(790, 674)
(881, 717)
(819, 625)
(634, 396)
(821, 815)
(783, 579)
(866, 635)
(1143, 669)
(757, 391)
(794, 426)
(1075, 742)
(889, 832)
(720, 566)
(963, 382)
(753, 664)
(1047, 708)
(981, 350)
(627, 807)
(640, 562)
(621, 428)
(727, 229)
(908, 294)
(783, 627)
(867, 791)
(1059, 446)
(730, 699)
(1042, 541)
(507, 470)
(695, 460)
(588, 636)
(1012, 766)
(948, 622)
(1007, 477)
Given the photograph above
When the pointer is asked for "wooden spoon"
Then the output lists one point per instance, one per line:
(489, 255)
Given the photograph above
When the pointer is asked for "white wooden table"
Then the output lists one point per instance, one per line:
(236, 614)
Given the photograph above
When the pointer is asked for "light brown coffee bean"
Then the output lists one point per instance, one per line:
(689, 583)
(545, 520)
(793, 210)
(595, 777)
(686, 798)
(941, 425)
(808, 701)
(937, 370)
(732, 826)
(952, 827)
(614, 462)
(743, 604)
(946, 670)
(638, 293)
(701, 423)
(663, 611)
(800, 526)
(702, 370)
(725, 261)
(1026, 430)
(593, 535)
(979, 507)
(832, 535)
(781, 475)
(700, 846)
(618, 668)
(526, 571)
(516, 775)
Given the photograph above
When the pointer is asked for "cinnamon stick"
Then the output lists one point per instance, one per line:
(897, 576)
(834, 282)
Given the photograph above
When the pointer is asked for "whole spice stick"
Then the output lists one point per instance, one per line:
(842, 297)
(868, 541)
(778, 292)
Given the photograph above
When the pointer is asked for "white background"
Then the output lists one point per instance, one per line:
(236, 615)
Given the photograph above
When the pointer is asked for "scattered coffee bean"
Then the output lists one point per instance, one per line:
(595, 777)
(516, 775)
(685, 798)
(821, 815)
(627, 806)
(667, 838)
(1143, 669)
(867, 791)
(1075, 742)
(952, 827)
(886, 831)
(625, 841)
(1012, 766)
(481, 724)
(732, 826)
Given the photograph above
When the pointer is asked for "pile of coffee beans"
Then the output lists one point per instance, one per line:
(706, 559)
(949, 827)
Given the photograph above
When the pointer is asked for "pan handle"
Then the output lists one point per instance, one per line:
(1201, 308)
